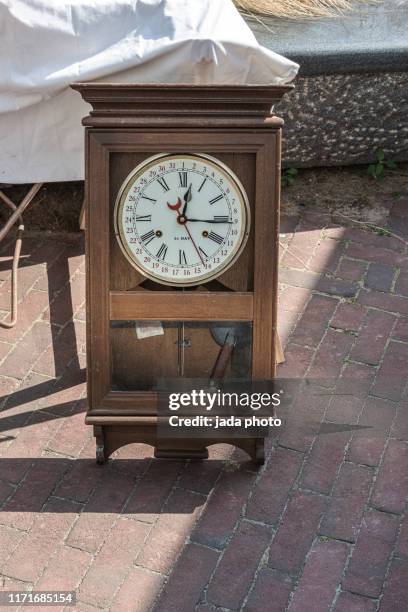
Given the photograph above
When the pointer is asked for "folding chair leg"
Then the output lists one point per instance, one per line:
(16, 215)
(18, 210)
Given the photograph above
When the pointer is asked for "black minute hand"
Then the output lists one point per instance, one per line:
(209, 220)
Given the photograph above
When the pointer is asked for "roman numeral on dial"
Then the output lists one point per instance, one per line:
(162, 182)
(161, 253)
(143, 217)
(216, 199)
(148, 237)
(182, 258)
(215, 237)
(183, 179)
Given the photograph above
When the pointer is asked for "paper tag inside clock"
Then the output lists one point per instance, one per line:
(147, 329)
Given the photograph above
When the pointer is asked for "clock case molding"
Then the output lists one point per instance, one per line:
(134, 119)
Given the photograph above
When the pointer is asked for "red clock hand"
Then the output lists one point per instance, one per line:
(194, 244)
(175, 206)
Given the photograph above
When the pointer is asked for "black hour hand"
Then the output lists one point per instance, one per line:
(186, 198)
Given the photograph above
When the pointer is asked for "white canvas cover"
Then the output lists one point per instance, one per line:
(46, 45)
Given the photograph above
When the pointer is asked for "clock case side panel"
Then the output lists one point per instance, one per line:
(97, 270)
(264, 145)
(266, 261)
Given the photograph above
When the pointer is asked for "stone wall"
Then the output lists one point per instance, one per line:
(351, 94)
(345, 118)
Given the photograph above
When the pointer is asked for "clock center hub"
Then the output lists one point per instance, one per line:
(181, 219)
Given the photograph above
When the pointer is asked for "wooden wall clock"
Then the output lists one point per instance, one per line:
(182, 227)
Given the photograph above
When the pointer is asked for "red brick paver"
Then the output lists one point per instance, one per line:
(296, 532)
(321, 575)
(369, 562)
(235, 572)
(270, 592)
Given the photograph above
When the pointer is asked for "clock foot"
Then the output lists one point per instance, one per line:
(99, 434)
(100, 455)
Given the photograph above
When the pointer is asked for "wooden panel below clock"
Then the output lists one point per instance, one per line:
(169, 306)
(123, 277)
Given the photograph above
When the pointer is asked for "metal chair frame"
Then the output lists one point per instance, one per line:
(16, 215)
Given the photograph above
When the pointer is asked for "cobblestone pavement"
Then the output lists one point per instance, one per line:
(322, 526)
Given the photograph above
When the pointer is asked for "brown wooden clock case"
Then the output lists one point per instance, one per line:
(127, 125)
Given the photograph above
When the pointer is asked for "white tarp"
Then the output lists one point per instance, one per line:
(46, 45)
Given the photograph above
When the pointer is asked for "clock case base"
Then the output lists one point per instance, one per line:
(110, 438)
(241, 117)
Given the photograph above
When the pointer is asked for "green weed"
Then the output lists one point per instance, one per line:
(288, 177)
(377, 171)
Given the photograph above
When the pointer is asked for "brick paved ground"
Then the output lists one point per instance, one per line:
(322, 526)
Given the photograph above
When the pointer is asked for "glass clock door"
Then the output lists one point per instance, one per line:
(142, 352)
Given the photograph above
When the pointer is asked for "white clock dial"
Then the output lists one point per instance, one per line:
(182, 219)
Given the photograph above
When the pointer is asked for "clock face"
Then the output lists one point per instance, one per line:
(182, 219)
